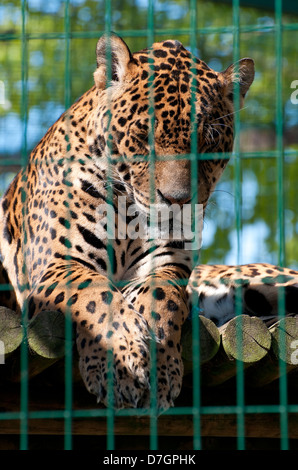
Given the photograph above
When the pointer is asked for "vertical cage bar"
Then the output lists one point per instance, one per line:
(283, 408)
(24, 403)
(110, 386)
(238, 206)
(68, 319)
(194, 162)
(279, 132)
(281, 219)
(153, 345)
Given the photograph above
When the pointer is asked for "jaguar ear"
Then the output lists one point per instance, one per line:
(113, 57)
(243, 72)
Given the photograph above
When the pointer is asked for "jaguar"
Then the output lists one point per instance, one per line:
(128, 296)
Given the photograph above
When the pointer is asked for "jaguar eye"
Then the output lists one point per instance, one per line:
(142, 136)
(140, 131)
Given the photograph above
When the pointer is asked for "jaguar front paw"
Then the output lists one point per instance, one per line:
(115, 362)
(168, 374)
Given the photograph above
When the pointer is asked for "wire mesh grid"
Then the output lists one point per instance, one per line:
(197, 410)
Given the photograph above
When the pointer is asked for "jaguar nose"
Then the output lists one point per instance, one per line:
(179, 197)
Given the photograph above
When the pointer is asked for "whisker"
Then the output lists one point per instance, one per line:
(117, 185)
(229, 114)
(219, 124)
(211, 127)
(223, 191)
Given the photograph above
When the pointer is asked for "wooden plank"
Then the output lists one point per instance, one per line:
(11, 333)
(46, 334)
(285, 339)
(216, 425)
(243, 338)
(209, 341)
(282, 353)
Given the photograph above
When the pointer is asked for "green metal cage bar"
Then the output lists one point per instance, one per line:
(24, 347)
(240, 409)
(150, 36)
(281, 210)
(238, 210)
(68, 322)
(197, 442)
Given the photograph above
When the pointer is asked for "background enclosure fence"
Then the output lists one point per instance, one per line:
(47, 60)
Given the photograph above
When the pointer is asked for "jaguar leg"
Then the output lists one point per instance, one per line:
(104, 322)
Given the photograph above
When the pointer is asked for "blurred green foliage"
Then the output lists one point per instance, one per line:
(45, 66)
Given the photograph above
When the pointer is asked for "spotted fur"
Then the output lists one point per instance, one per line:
(258, 289)
(54, 241)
